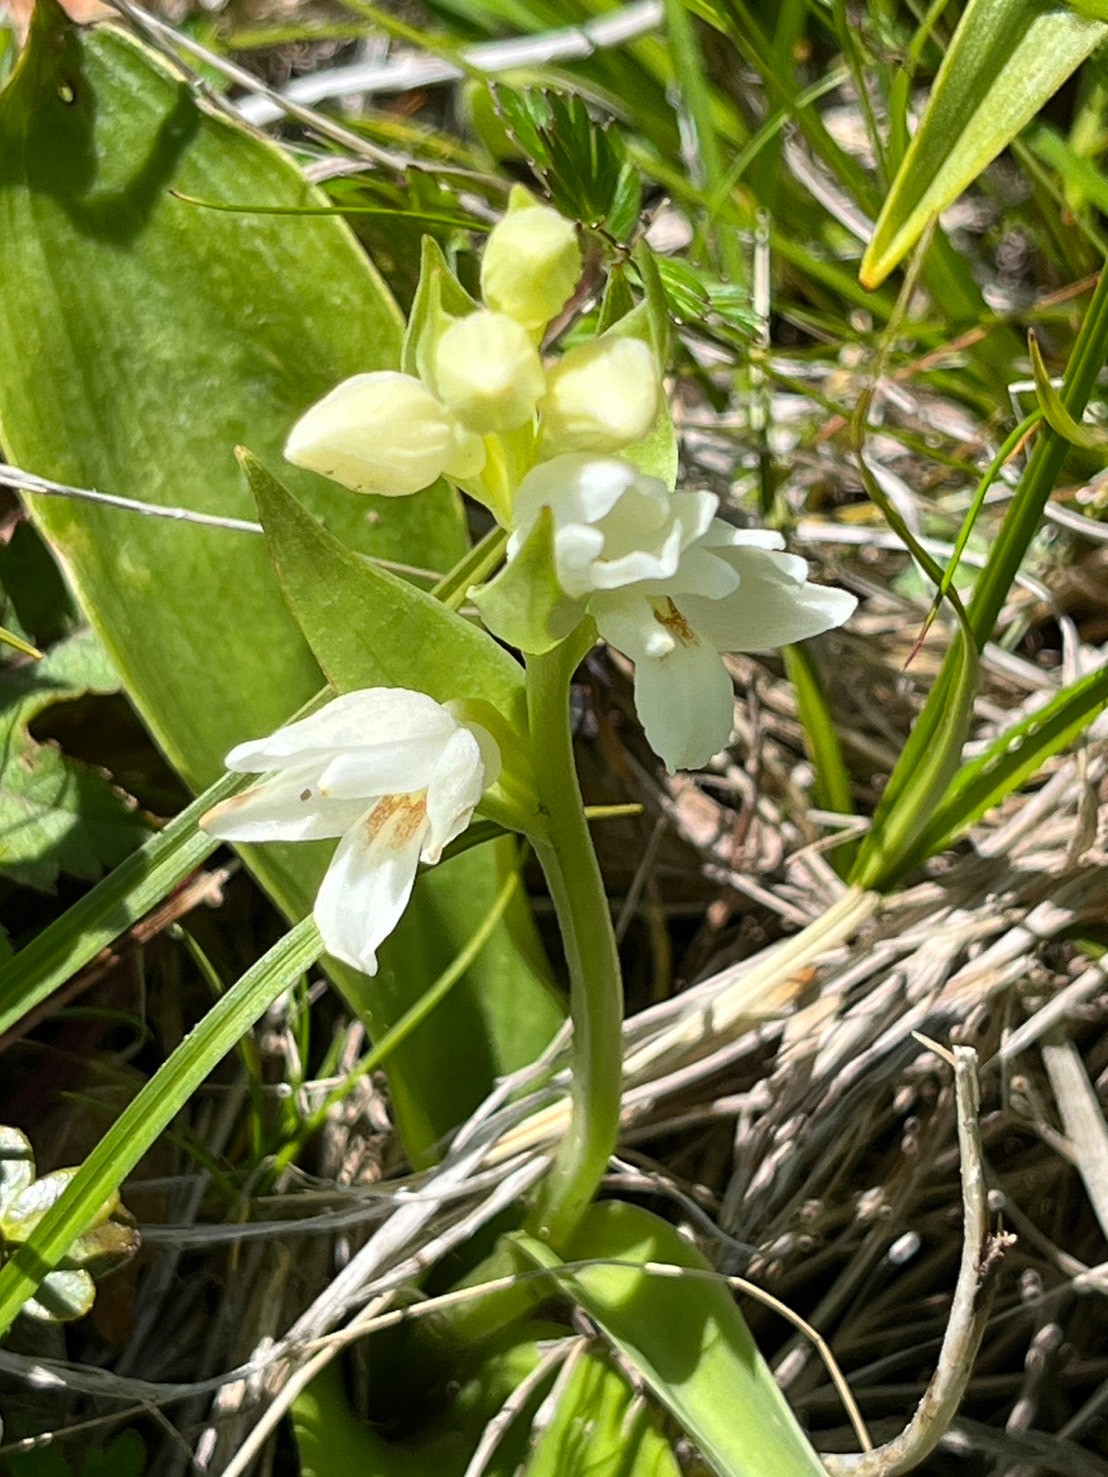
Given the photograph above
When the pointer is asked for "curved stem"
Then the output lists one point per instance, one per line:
(596, 989)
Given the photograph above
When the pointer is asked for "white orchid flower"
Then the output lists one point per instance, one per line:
(672, 587)
(384, 433)
(613, 525)
(391, 772)
(734, 591)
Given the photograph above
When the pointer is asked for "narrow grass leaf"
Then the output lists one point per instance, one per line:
(1007, 58)
(1011, 759)
(1054, 407)
(121, 1148)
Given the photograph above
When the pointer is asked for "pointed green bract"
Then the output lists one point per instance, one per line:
(367, 627)
(524, 604)
(1007, 58)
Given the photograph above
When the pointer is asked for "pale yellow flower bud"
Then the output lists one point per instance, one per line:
(487, 372)
(382, 433)
(600, 397)
(532, 263)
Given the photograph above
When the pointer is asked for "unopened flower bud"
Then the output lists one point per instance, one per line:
(487, 372)
(600, 397)
(532, 263)
(383, 433)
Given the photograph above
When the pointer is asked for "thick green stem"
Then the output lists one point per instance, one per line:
(596, 991)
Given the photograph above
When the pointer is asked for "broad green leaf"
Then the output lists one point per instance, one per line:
(601, 1426)
(57, 814)
(366, 628)
(173, 333)
(685, 1337)
(81, 1205)
(1007, 58)
(525, 605)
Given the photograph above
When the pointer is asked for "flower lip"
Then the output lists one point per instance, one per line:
(392, 773)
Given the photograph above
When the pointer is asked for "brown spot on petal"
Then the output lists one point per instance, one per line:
(305, 794)
(667, 615)
(405, 813)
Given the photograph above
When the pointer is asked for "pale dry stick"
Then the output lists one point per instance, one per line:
(567, 1353)
(20, 481)
(1082, 1118)
(418, 70)
(969, 1308)
(29, 482)
(1054, 1012)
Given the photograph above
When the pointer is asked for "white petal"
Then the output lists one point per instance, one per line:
(287, 807)
(454, 791)
(370, 880)
(770, 607)
(362, 719)
(576, 549)
(580, 488)
(723, 535)
(385, 769)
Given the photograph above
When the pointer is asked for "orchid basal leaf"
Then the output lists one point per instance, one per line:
(685, 1337)
(1007, 58)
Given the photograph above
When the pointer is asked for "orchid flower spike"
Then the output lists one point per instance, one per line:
(673, 588)
(393, 773)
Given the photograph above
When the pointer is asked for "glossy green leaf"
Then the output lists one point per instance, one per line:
(57, 814)
(367, 627)
(686, 1339)
(1007, 58)
(601, 1426)
(173, 333)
